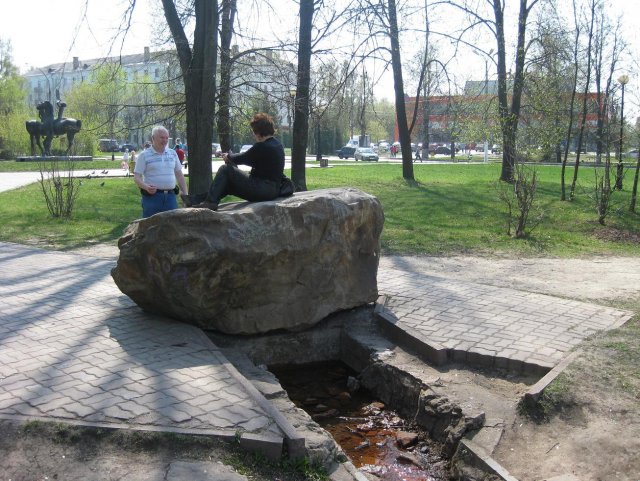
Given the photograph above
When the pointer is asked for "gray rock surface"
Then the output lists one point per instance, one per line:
(251, 268)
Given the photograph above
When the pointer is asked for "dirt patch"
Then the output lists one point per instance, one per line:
(591, 427)
(595, 279)
(617, 235)
(105, 251)
(51, 451)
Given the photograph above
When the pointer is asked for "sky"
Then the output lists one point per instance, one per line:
(51, 31)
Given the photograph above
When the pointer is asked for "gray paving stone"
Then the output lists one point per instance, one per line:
(86, 351)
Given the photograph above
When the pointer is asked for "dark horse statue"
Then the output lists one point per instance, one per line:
(49, 127)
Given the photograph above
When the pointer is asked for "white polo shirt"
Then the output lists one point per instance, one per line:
(158, 169)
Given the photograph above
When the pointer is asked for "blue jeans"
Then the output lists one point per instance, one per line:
(158, 202)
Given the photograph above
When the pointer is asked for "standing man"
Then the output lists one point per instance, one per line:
(156, 173)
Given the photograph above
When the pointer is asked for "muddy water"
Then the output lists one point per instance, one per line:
(374, 437)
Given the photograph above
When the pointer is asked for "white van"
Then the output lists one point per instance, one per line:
(383, 146)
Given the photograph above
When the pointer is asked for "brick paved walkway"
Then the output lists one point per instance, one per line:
(486, 325)
(74, 348)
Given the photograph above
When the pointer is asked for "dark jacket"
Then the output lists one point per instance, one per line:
(266, 159)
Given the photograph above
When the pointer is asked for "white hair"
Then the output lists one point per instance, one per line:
(158, 128)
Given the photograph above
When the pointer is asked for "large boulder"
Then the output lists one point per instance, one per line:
(255, 267)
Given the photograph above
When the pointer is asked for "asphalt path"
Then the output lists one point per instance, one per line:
(13, 180)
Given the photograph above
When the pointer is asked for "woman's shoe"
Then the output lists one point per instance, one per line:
(186, 200)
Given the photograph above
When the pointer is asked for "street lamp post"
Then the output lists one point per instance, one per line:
(623, 80)
(486, 93)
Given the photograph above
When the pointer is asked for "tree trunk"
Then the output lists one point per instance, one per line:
(425, 119)
(229, 9)
(318, 150)
(634, 190)
(301, 102)
(398, 86)
(508, 143)
(198, 65)
(571, 107)
(362, 120)
(509, 118)
(583, 123)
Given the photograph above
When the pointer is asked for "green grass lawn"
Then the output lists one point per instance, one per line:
(451, 209)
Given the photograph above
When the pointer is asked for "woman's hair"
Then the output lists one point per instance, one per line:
(262, 124)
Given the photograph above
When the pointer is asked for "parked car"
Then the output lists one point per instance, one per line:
(345, 152)
(440, 150)
(128, 147)
(496, 149)
(244, 148)
(108, 145)
(216, 150)
(365, 153)
(383, 146)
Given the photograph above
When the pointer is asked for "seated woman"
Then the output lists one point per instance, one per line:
(266, 159)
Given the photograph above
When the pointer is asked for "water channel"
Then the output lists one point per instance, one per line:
(374, 437)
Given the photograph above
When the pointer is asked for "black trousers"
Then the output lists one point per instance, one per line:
(230, 180)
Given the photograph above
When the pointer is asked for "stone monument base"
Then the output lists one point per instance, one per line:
(37, 158)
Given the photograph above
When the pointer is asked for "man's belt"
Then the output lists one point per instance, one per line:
(175, 190)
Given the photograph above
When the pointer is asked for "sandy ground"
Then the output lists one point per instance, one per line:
(593, 278)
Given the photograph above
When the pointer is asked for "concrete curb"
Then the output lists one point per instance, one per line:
(535, 391)
(477, 456)
(294, 443)
(227, 436)
(431, 351)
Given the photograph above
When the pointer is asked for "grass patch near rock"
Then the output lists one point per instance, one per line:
(450, 209)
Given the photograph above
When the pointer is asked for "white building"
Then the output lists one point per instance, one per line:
(44, 82)
(54, 81)
(255, 74)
